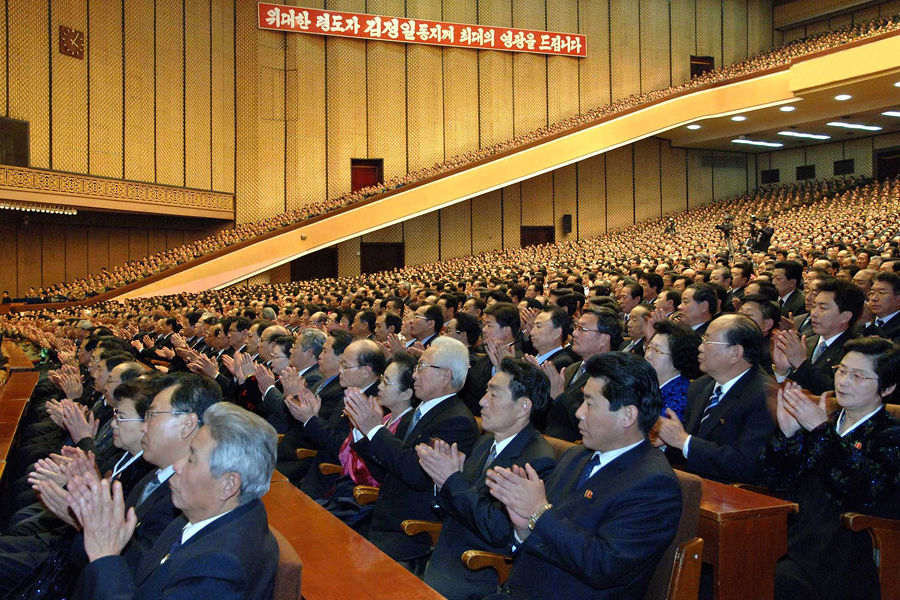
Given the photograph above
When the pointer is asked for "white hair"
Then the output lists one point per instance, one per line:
(452, 354)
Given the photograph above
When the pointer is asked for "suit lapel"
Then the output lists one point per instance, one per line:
(728, 401)
(427, 418)
(700, 404)
(154, 558)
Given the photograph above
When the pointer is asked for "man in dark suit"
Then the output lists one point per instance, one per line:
(726, 421)
(406, 490)
(220, 548)
(636, 325)
(602, 520)
(598, 330)
(699, 303)
(786, 276)
(473, 519)
(741, 272)
(763, 236)
(810, 361)
(466, 328)
(884, 302)
(552, 327)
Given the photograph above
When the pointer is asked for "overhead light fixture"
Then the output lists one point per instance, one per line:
(738, 118)
(897, 84)
(693, 126)
(53, 209)
(788, 108)
(798, 134)
(757, 143)
(854, 126)
(891, 113)
(842, 97)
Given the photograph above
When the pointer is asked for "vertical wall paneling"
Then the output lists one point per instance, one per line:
(487, 223)
(626, 59)
(390, 234)
(529, 70)
(197, 100)
(98, 249)
(512, 215)
(537, 200)
(456, 231)
(4, 80)
(156, 241)
(69, 92)
(591, 196)
(654, 54)
(137, 244)
(424, 94)
(684, 38)
(595, 77)
(860, 150)
(734, 27)
(139, 82)
(495, 70)
(386, 84)
(673, 178)
(646, 179)
(562, 71)
(119, 245)
(169, 93)
(348, 258)
(759, 28)
(460, 92)
(53, 253)
(29, 76)
(565, 194)
(729, 174)
(709, 29)
(76, 252)
(699, 183)
(104, 51)
(29, 259)
(619, 188)
(422, 239)
(306, 123)
(223, 95)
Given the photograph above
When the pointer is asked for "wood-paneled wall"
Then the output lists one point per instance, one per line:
(152, 100)
(871, 11)
(50, 249)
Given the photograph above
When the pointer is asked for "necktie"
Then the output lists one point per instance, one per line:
(150, 488)
(578, 375)
(780, 302)
(175, 546)
(588, 470)
(490, 458)
(713, 400)
(820, 348)
(412, 424)
(879, 323)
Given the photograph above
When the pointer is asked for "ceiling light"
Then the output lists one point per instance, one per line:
(891, 113)
(788, 108)
(842, 97)
(757, 143)
(738, 118)
(693, 126)
(897, 84)
(854, 126)
(798, 134)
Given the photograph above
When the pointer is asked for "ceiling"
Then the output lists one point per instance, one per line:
(813, 110)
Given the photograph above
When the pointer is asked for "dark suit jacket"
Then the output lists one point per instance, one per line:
(637, 349)
(795, 305)
(603, 540)
(474, 520)
(890, 330)
(234, 557)
(476, 381)
(803, 323)
(563, 357)
(561, 420)
(407, 492)
(727, 445)
(818, 377)
(331, 395)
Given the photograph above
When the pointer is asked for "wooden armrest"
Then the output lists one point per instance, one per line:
(860, 522)
(280, 437)
(413, 527)
(304, 453)
(329, 469)
(759, 489)
(684, 583)
(479, 559)
(365, 494)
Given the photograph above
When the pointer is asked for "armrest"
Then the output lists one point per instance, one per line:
(413, 527)
(304, 453)
(759, 489)
(479, 559)
(365, 494)
(859, 522)
(280, 437)
(329, 469)
(684, 583)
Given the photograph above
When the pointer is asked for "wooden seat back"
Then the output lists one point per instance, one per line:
(287, 577)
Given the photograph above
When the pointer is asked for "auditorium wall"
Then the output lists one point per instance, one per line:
(645, 180)
(861, 150)
(49, 249)
(871, 10)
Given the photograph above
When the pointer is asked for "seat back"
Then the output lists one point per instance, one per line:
(687, 530)
(287, 577)
(559, 446)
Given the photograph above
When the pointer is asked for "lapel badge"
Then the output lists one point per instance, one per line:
(858, 445)
(164, 559)
(588, 494)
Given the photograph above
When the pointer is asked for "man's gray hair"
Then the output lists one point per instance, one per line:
(452, 354)
(245, 444)
(312, 339)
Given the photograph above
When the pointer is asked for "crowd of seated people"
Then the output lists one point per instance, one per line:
(653, 346)
(134, 270)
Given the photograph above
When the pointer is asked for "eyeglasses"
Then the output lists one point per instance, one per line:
(423, 317)
(345, 367)
(586, 329)
(880, 293)
(386, 381)
(421, 366)
(855, 376)
(706, 340)
(152, 413)
(655, 348)
(120, 419)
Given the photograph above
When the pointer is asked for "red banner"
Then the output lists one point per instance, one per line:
(418, 31)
